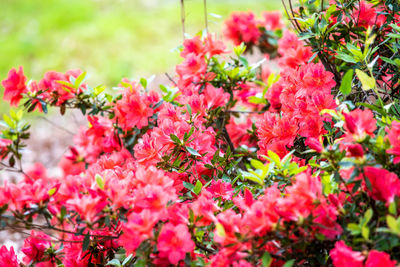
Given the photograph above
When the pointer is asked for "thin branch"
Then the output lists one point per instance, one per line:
(56, 125)
(205, 15)
(183, 18)
(170, 78)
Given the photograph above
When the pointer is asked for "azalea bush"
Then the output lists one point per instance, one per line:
(288, 161)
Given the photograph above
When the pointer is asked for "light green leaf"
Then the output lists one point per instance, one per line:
(193, 151)
(99, 181)
(220, 229)
(367, 82)
(52, 191)
(289, 263)
(392, 223)
(197, 188)
(266, 259)
(114, 262)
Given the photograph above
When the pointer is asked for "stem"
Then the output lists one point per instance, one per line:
(183, 18)
(205, 15)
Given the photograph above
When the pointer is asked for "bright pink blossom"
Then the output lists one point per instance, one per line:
(242, 27)
(385, 185)
(8, 258)
(15, 86)
(35, 246)
(174, 242)
(343, 255)
(378, 258)
(393, 135)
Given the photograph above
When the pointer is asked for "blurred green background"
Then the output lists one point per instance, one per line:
(110, 39)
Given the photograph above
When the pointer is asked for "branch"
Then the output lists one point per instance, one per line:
(183, 18)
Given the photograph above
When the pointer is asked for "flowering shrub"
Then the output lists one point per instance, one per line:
(232, 164)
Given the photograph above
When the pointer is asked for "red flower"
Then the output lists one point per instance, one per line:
(8, 257)
(377, 258)
(344, 256)
(174, 242)
(35, 246)
(15, 86)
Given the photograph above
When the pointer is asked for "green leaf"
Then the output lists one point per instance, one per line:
(86, 242)
(289, 263)
(175, 139)
(345, 57)
(197, 188)
(188, 185)
(392, 223)
(143, 82)
(189, 109)
(127, 259)
(114, 262)
(274, 157)
(345, 87)
(52, 191)
(252, 176)
(392, 208)
(355, 228)
(365, 232)
(80, 79)
(368, 215)
(99, 181)
(257, 164)
(220, 229)
(193, 151)
(266, 259)
(367, 82)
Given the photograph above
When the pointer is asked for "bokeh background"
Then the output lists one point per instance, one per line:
(109, 39)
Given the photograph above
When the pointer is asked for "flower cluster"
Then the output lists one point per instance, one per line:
(232, 164)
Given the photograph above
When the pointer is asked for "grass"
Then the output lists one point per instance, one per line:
(110, 39)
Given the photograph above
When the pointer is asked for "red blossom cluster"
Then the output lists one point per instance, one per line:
(232, 165)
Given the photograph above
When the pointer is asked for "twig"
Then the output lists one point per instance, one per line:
(57, 126)
(170, 78)
(205, 15)
(183, 18)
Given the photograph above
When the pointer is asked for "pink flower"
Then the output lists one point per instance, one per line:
(174, 242)
(385, 185)
(377, 258)
(88, 206)
(344, 256)
(276, 133)
(138, 228)
(15, 86)
(393, 134)
(221, 189)
(242, 27)
(4, 143)
(35, 246)
(272, 20)
(8, 257)
(51, 85)
(133, 110)
(367, 16)
(359, 123)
